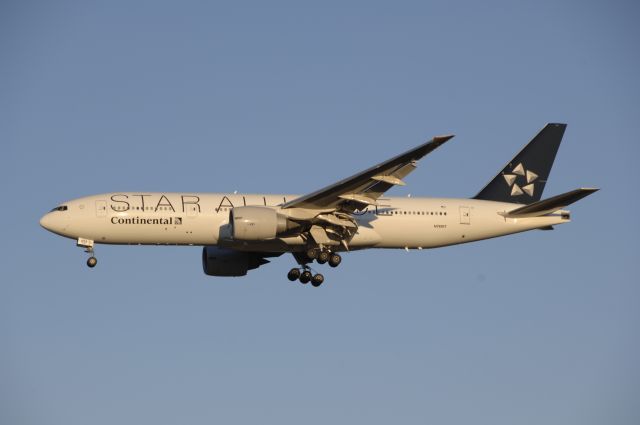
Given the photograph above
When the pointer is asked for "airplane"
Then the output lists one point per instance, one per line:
(241, 232)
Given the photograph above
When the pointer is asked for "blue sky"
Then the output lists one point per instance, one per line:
(540, 327)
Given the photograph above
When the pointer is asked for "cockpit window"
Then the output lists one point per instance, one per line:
(60, 208)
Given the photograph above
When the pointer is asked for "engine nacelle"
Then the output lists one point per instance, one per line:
(227, 262)
(257, 223)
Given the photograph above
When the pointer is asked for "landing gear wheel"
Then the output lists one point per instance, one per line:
(293, 274)
(305, 277)
(323, 257)
(92, 261)
(312, 253)
(317, 280)
(335, 260)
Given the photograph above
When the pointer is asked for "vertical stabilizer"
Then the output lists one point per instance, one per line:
(523, 179)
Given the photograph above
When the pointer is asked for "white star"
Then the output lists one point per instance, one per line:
(510, 178)
(519, 170)
(529, 176)
(528, 189)
(515, 190)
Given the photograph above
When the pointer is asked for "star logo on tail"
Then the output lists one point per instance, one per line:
(526, 179)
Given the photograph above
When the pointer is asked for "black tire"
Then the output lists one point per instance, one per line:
(305, 277)
(92, 261)
(335, 260)
(317, 280)
(323, 257)
(312, 253)
(293, 274)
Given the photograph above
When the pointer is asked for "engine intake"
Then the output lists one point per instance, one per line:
(257, 223)
(227, 262)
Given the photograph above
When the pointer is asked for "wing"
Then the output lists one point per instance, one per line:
(363, 189)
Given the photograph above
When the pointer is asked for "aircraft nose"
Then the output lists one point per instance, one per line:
(46, 221)
(56, 222)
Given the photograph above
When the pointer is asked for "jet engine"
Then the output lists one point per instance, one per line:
(227, 262)
(258, 223)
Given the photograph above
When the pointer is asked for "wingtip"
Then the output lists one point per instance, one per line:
(443, 138)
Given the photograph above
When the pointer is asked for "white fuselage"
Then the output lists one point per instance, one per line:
(201, 219)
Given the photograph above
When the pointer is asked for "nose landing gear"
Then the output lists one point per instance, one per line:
(92, 261)
(87, 244)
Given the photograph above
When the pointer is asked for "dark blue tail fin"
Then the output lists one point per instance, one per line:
(523, 179)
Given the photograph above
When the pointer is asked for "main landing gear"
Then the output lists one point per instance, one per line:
(323, 256)
(87, 244)
(304, 275)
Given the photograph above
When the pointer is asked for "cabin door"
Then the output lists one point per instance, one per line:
(465, 215)
(101, 208)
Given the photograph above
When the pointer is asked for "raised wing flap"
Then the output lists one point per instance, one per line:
(389, 179)
(360, 199)
(336, 221)
(319, 234)
(364, 188)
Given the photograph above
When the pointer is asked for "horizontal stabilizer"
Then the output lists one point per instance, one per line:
(550, 205)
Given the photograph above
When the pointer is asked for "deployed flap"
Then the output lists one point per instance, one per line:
(337, 221)
(319, 234)
(389, 179)
(369, 184)
(549, 205)
(360, 199)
